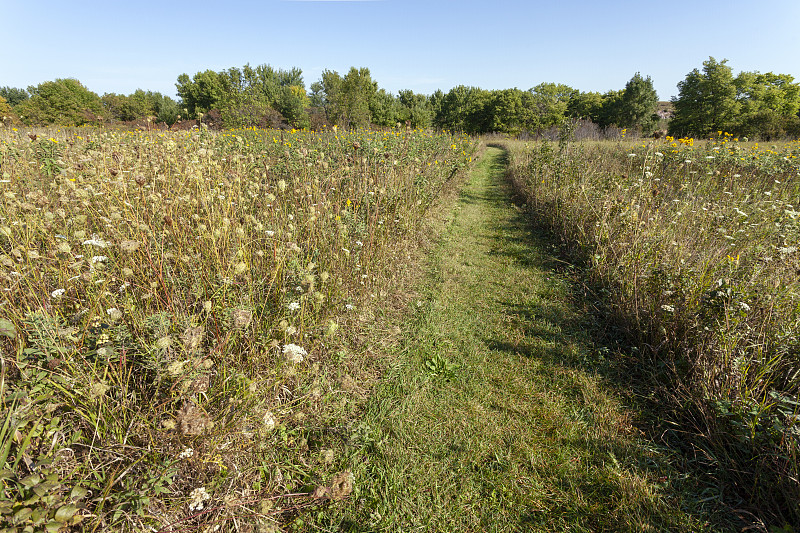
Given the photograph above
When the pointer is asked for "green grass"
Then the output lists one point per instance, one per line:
(494, 415)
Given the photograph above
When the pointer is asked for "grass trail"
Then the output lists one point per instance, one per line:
(492, 418)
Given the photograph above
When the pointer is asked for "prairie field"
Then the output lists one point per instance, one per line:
(689, 251)
(174, 307)
(215, 331)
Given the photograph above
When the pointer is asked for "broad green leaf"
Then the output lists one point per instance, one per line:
(22, 515)
(30, 481)
(65, 512)
(7, 329)
(78, 493)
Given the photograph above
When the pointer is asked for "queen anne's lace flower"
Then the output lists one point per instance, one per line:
(294, 353)
(198, 498)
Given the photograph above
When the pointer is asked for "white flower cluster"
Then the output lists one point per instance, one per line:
(294, 353)
(198, 498)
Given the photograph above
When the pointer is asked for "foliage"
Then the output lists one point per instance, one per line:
(464, 109)
(141, 105)
(751, 104)
(347, 99)
(769, 105)
(63, 102)
(14, 95)
(6, 115)
(414, 109)
(257, 94)
(550, 102)
(385, 110)
(201, 93)
(586, 105)
(638, 105)
(706, 100)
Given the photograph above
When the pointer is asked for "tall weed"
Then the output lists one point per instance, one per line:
(695, 249)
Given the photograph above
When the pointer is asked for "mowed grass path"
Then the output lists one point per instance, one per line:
(492, 418)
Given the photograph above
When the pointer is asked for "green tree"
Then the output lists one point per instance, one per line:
(13, 95)
(64, 102)
(346, 99)
(292, 102)
(508, 113)
(769, 104)
(261, 95)
(611, 109)
(358, 90)
(415, 109)
(385, 109)
(706, 101)
(464, 109)
(164, 108)
(550, 103)
(6, 115)
(638, 105)
(203, 92)
(586, 106)
(127, 108)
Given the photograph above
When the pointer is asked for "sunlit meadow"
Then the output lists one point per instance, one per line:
(693, 247)
(169, 305)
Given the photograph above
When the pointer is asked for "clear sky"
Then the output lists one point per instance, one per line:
(422, 45)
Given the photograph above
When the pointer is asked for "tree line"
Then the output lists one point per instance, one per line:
(710, 99)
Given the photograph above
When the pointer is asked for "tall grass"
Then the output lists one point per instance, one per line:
(169, 305)
(695, 248)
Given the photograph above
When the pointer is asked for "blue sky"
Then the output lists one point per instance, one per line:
(422, 45)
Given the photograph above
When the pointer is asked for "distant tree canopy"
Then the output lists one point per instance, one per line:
(247, 96)
(141, 105)
(6, 115)
(751, 103)
(13, 95)
(63, 101)
(710, 99)
(638, 104)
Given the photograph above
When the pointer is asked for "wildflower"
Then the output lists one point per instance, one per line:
(186, 453)
(349, 307)
(241, 318)
(175, 368)
(129, 246)
(294, 306)
(114, 313)
(95, 242)
(659, 154)
(668, 308)
(744, 307)
(57, 293)
(294, 353)
(198, 497)
(99, 259)
(269, 420)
